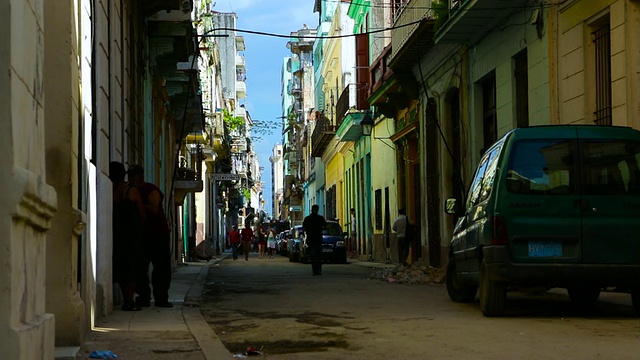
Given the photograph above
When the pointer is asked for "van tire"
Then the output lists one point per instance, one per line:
(584, 296)
(458, 292)
(635, 299)
(493, 294)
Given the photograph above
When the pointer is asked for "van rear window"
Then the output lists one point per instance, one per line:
(542, 167)
(612, 167)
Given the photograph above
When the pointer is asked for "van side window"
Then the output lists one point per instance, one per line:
(612, 167)
(539, 167)
(489, 175)
(481, 188)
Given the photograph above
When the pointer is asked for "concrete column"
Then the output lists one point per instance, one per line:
(61, 72)
(27, 203)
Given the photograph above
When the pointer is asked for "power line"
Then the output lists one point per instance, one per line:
(308, 37)
(401, 6)
(305, 37)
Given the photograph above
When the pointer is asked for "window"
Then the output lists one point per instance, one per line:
(542, 167)
(612, 167)
(378, 209)
(489, 120)
(602, 61)
(332, 229)
(477, 184)
(521, 77)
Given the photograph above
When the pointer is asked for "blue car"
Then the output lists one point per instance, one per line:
(294, 243)
(334, 245)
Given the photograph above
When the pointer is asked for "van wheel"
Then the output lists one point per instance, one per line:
(493, 294)
(635, 299)
(584, 296)
(457, 291)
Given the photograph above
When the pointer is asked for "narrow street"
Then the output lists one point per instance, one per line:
(350, 313)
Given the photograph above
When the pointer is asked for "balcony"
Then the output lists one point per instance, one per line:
(346, 101)
(187, 181)
(468, 21)
(349, 122)
(240, 62)
(322, 135)
(241, 89)
(240, 46)
(410, 42)
(390, 91)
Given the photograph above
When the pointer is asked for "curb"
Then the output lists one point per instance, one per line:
(209, 343)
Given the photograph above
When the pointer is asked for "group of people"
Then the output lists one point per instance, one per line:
(313, 225)
(266, 241)
(141, 236)
(242, 238)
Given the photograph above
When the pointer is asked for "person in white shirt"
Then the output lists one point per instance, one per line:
(400, 227)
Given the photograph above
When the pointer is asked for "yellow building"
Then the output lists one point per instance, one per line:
(595, 72)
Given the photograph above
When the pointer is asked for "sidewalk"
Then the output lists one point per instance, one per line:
(159, 333)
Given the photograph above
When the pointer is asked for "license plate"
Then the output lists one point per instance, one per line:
(545, 248)
(327, 250)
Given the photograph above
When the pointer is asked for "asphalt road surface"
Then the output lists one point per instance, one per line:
(278, 308)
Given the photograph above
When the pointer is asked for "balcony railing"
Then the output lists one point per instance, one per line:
(413, 12)
(345, 101)
(468, 21)
(379, 70)
(187, 181)
(322, 135)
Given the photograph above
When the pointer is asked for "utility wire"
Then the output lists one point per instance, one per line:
(420, 7)
(305, 37)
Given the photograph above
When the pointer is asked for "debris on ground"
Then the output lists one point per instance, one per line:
(413, 274)
(103, 354)
(252, 351)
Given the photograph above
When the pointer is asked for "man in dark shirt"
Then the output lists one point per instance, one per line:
(156, 241)
(313, 225)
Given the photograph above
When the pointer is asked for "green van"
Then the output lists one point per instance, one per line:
(550, 206)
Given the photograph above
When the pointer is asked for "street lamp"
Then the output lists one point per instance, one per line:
(367, 124)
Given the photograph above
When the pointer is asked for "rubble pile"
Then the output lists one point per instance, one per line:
(415, 274)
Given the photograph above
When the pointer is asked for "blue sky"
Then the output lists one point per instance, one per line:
(264, 56)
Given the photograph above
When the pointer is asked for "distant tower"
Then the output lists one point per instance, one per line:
(277, 180)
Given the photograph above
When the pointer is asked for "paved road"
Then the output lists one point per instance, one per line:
(278, 307)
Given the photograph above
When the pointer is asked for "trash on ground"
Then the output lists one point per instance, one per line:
(415, 274)
(252, 351)
(239, 356)
(103, 354)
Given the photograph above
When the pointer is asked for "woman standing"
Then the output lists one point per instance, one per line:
(271, 242)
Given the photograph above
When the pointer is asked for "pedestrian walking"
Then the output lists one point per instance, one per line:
(128, 221)
(313, 225)
(234, 240)
(156, 244)
(400, 226)
(247, 238)
(271, 242)
(262, 243)
(352, 233)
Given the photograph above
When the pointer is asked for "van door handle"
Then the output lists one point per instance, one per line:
(583, 204)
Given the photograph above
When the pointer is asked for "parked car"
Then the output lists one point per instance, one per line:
(334, 247)
(281, 242)
(550, 206)
(294, 243)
